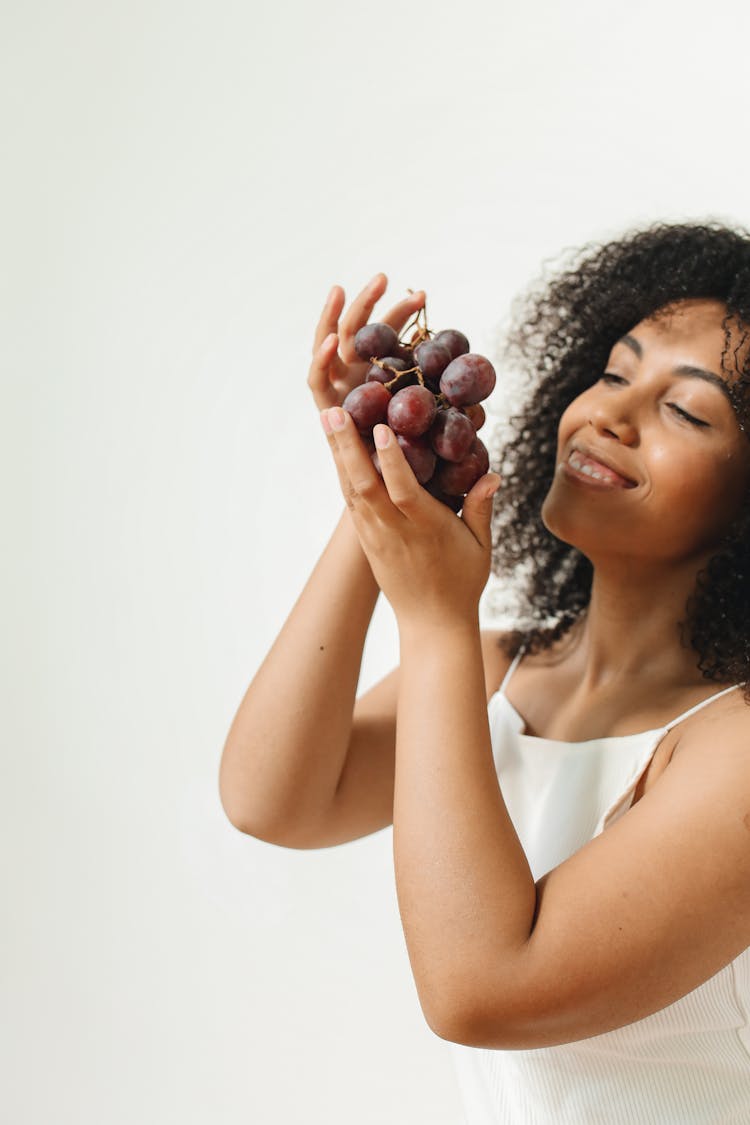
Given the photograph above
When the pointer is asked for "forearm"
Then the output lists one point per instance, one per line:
(287, 745)
(465, 890)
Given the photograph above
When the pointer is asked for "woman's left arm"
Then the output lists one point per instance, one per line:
(632, 921)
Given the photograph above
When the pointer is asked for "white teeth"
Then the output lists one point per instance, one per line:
(587, 469)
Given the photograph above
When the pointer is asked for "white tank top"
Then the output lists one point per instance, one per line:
(687, 1064)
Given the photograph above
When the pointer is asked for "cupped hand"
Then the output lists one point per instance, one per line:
(336, 368)
(430, 564)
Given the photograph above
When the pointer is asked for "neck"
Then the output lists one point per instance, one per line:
(631, 628)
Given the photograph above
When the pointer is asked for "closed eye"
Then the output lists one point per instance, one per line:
(609, 376)
(689, 417)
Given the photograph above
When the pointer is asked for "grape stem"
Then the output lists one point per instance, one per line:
(400, 374)
(422, 331)
(397, 374)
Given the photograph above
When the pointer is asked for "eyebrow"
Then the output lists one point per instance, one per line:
(683, 368)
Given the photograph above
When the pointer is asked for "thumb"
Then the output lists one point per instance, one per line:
(477, 507)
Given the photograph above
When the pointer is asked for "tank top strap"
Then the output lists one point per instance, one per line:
(513, 665)
(698, 706)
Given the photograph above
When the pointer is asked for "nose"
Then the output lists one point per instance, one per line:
(613, 418)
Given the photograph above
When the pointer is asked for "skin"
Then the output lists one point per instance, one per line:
(281, 768)
(609, 936)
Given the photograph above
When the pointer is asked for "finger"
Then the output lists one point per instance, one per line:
(326, 371)
(361, 485)
(401, 313)
(329, 318)
(344, 482)
(477, 508)
(358, 314)
(404, 490)
(396, 317)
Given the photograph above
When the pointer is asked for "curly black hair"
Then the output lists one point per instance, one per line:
(562, 331)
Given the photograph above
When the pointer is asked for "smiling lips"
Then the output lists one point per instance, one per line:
(588, 467)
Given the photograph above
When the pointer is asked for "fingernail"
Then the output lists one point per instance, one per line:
(336, 418)
(324, 422)
(382, 436)
(492, 489)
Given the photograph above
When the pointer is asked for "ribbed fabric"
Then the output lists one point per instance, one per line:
(687, 1064)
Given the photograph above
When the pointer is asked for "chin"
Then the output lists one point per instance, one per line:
(553, 516)
(567, 525)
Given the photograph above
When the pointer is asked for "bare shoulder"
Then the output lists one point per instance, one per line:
(720, 730)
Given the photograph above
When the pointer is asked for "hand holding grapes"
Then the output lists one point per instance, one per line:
(336, 368)
(431, 564)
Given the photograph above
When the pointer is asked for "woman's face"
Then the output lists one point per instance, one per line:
(651, 461)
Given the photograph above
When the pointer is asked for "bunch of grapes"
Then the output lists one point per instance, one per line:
(429, 392)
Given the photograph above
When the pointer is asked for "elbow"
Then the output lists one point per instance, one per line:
(233, 816)
(254, 811)
(467, 1031)
(241, 804)
(447, 1014)
(497, 1027)
(266, 833)
(248, 825)
(286, 832)
(235, 812)
(451, 1024)
(458, 1015)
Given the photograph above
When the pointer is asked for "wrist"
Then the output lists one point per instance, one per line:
(348, 542)
(428, 631)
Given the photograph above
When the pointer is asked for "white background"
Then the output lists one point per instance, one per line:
(181, 185)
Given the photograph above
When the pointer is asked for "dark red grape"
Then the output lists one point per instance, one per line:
(432, 358)
(440, 445)
(454, 341)
(453, 502)
(452, 434)
(476, 415)
(457, 478)
(468, 380)
(368, 405)
(384, 374)
(411, 411)
(419, 455)
(373, 341)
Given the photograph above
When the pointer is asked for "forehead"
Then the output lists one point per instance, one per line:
(694, 331)
(695, 326)
(696, 315)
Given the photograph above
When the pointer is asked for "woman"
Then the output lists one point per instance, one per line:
(570, 799)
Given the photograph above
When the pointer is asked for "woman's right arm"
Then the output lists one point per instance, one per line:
(285, 751)
(282, 769)
(305, 765)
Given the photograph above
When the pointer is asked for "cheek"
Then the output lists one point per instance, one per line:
(704, 493)
(572, 418)
(702, 473)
